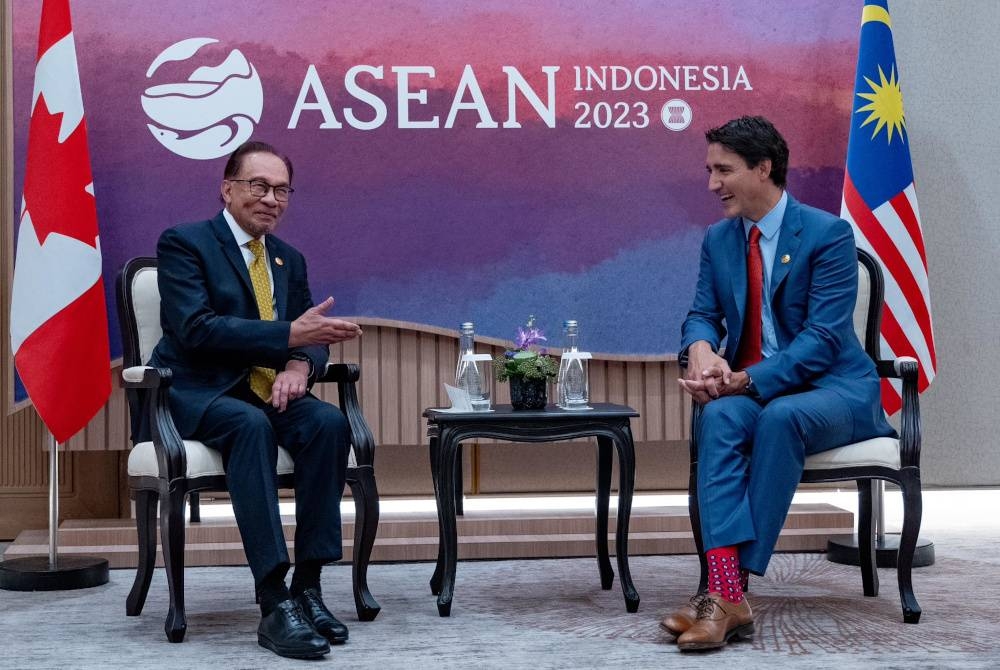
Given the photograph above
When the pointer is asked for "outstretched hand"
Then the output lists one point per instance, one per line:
(315, 327)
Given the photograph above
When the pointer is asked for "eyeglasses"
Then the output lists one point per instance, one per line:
(260, 189)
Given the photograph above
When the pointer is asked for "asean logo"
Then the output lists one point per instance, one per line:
(211, 113)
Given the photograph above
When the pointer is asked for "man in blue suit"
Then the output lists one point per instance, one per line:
(245, 342)
(779, 280)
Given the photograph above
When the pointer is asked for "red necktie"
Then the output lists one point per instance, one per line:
(749, 351)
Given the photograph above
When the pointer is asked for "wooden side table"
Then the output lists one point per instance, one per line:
(607, 422)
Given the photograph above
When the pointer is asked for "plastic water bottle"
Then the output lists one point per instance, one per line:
(572, 382)
(468, 374)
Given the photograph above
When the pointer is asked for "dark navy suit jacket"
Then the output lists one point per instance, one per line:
(812, 305)
(212, 331)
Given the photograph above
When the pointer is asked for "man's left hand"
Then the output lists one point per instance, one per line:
(290, 384)
(713, 383)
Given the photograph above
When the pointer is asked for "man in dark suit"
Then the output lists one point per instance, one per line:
(780, 278)
(245, 342)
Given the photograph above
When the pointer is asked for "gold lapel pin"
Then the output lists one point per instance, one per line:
(278, 261)
(786, 259)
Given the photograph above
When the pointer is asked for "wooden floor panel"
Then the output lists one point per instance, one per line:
(413, 537)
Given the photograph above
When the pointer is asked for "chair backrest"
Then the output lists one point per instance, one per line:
(139, 310)
(868, 309)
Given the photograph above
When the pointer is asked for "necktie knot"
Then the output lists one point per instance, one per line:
(256, 247)
(754, 236)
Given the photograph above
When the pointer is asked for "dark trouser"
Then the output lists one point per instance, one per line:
(315, 433)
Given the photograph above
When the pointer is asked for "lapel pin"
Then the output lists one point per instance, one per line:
(786, 259)
(278, 261)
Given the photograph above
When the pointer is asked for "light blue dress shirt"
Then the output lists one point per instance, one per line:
(770, 226)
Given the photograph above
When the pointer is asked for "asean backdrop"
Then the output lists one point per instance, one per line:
(457, 160)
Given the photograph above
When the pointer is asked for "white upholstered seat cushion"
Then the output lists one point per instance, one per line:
(876, 452)
(202, 461)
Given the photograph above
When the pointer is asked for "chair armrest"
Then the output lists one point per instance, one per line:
(146, 377)
(907, 369)
(171, 458)
(345, 375)
(340, 373)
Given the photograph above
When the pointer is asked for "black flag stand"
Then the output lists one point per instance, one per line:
(53, 572)
(843, 549)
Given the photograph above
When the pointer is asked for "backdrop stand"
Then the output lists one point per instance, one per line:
(844, 548)
(54, 572)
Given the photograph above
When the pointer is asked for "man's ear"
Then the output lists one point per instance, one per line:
(764, 169)
(226, 191)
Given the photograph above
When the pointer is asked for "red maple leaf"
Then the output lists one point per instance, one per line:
(56, 176)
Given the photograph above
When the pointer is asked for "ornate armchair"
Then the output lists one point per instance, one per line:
(167, 470)
(885, 458)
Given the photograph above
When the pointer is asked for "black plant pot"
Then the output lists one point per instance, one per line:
(528, 393)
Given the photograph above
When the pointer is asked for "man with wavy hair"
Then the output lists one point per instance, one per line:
(779, 280)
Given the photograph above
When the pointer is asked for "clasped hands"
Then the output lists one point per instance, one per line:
(708, 376)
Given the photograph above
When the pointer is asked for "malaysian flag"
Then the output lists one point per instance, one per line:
(881, 203)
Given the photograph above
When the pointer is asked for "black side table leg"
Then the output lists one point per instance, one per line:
(626, 486)
(435, 582)
(446, 515)
(604, 460)
(459, 476)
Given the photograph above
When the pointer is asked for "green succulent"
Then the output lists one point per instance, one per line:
(527, 364)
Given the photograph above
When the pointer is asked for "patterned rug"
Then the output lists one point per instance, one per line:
(536, 614)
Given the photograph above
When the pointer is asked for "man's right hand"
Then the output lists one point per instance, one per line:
(314, 327)
(707, 373)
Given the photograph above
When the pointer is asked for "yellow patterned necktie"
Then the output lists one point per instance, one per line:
(261, 379)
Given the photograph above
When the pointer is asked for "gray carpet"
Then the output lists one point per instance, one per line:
(536, 614)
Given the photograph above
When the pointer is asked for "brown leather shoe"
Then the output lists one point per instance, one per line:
(683, 617)
(717, 622)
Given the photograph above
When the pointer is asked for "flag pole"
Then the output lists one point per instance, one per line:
(53, 502)
(52, 572)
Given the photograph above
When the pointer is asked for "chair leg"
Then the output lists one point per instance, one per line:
(172, 540)
(145, 526)
(366, 514)
(912, 514)
(194, 504)
(866, 538)
(695, 515)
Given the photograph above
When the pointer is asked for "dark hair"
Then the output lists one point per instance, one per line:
(754, 138)
(235, 162)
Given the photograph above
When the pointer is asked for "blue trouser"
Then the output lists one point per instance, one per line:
(316, 434)
(750, 460)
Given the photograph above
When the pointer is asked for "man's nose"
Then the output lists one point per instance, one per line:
(713, 183)
(269, 199)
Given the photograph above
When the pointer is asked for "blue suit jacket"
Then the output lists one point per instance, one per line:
(212, 332)
(812, 304)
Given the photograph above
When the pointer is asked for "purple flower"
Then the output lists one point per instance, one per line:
(528, 337)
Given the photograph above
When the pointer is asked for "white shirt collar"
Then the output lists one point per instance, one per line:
(242, 236)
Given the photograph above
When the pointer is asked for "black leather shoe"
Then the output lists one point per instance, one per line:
(316, 612)
(287, 632)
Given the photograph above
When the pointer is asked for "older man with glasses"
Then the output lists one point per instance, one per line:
(245, 342)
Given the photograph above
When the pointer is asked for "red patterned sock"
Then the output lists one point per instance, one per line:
(724, 573)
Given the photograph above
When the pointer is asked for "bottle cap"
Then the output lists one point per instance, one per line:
(569, 323)
(468, 325)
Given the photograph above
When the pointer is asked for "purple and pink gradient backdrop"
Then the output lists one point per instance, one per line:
(441, 226)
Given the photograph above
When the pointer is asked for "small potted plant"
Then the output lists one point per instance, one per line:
(528, 368)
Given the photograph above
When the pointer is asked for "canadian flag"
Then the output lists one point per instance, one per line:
(58, 315)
